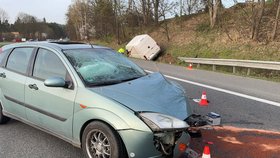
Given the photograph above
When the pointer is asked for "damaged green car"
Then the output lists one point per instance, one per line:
(93, 98)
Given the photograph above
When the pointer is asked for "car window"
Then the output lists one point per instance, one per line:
(3, 54)
(19, 59)
(103, 66)
(47, 65)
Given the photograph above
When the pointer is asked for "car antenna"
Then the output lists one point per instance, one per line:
(90, 44)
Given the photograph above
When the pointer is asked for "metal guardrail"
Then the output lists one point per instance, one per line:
(269, 65)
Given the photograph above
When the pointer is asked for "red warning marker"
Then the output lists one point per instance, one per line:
(203, 100)
(189, 67)
(206, 152)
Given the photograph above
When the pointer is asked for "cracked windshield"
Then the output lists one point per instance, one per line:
(103, 66)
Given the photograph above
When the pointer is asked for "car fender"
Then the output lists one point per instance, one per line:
(85, 116)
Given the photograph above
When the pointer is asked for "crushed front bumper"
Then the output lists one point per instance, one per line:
(141, 144)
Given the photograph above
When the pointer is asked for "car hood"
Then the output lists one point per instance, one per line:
(151, 93)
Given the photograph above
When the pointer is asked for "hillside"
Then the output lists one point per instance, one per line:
(230, 39)
(191, 36)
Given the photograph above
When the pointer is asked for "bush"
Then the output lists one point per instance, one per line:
(203, 28)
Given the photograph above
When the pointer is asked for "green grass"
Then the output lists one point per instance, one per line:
(205, 48)
(4, 43)
(224, 51)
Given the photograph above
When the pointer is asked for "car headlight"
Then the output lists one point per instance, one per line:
(160, 122)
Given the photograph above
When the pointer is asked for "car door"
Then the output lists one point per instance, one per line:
(12, 81)
(49, 107)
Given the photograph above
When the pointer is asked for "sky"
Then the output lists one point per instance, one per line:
(52, 10)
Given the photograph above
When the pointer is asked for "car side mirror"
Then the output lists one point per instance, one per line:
(55, 82)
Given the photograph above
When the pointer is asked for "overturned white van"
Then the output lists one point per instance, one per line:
(143, 47)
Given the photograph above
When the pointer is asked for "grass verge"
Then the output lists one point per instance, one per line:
(4, 43)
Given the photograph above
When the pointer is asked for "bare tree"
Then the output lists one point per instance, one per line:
(256, 19)
(3, 15)
(156, 10)
(146, 6)
(276, 22)
(214, 6)
(144, 11)
(78, 16)
(118, 14)
(74, 23)
(192, 6)
(166, 7)
(130, 4)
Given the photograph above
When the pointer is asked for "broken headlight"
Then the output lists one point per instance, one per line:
(160, 122)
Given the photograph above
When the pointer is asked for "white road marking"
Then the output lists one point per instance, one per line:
(196, 100)
(223, 90)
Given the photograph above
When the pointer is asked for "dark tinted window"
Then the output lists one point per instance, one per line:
(48, 65)
(19, 58)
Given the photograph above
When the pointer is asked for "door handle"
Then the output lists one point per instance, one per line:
(33, 86)
(3, 75)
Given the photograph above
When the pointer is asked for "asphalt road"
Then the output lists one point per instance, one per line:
(235, 110)
(20, 140)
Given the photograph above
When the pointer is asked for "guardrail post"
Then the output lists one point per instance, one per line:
(214, 67)
(198, 65)
(248, 71)
(233, 69)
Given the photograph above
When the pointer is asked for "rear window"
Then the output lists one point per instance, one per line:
(19, 59)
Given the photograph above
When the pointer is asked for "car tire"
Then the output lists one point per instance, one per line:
(3, 119)
(100, 140)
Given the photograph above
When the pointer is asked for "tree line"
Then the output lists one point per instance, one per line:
(106, 19)
(119, 18)
(29, 27)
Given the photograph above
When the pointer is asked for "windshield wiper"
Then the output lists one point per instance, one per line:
(113, 82)
(130, 79)
(105, 83)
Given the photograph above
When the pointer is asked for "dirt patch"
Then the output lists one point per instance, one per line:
(232, 142)
(167, 58)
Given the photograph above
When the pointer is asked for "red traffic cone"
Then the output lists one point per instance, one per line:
(203, 100)
(206, 152)
(190, 67)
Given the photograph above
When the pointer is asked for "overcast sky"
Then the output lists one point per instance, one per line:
(52, 10)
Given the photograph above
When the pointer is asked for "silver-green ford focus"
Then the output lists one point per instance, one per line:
(94, 98)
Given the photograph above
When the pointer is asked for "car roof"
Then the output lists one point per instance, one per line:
(55, 45)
